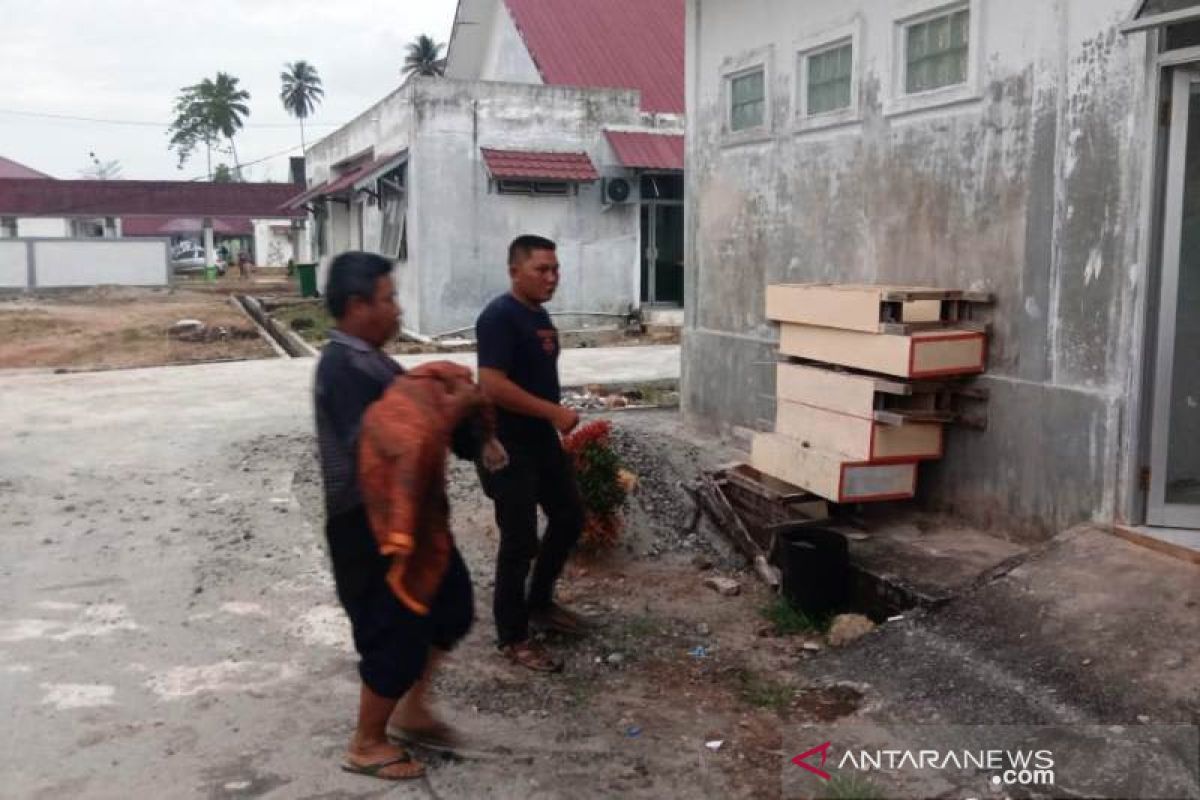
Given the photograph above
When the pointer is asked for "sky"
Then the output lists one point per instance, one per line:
(127, 60)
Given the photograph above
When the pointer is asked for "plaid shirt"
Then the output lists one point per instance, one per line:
(351, 375)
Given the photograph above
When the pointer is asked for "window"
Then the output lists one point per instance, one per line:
(548, 188)
(662, 187)
(829, 79)
(8, 227)
(87, 228)
(935, 52)
(1180, 36)
(747, 101)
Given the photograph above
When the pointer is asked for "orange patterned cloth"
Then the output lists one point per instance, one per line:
(402, 474)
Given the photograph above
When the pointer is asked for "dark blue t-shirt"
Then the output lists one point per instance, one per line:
(521, 342)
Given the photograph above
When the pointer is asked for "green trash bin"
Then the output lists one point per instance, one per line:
(308, 279)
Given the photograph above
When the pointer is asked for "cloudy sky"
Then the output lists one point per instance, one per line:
(127, 59)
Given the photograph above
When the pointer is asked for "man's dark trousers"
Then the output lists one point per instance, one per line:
(539, 473)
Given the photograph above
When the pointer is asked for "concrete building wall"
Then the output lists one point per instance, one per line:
(58, 263)
(506, 58)
(14, 264)
(1027, 183)
(273, 244)
(460, 228)
(43, 227)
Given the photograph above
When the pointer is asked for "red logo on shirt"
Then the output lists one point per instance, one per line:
(549, 341)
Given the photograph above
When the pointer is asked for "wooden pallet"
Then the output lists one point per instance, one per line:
(894, 310)
(924, 354)
(833, 476)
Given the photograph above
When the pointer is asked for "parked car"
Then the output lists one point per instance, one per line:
(193, 261)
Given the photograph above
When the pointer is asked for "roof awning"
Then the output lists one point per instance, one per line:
(1156, 13)
(539, 165)
(646, 150)
(381, 167)
(174, 226)
(305, 196)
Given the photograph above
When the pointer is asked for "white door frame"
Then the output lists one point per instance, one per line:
(1158, 511)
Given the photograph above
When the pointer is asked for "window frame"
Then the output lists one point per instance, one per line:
(730, 105)
(850, 34)
(918, 12)
(9, 228)
(515, 187)
(762, 58)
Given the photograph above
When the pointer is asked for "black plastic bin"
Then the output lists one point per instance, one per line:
(815, 563)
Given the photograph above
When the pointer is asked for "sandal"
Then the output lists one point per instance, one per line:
(438, 736)
(531, 656)
(415, 768)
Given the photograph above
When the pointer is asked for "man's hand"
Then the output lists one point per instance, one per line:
(565, 419)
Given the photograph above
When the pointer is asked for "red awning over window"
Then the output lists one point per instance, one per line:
(643, 150)
(539, 166)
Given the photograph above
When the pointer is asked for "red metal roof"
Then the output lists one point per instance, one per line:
(11, 169)
(51, 198)
(644, 150)
(343, 181)
(172, 226)
(612, 44)
(526, 164)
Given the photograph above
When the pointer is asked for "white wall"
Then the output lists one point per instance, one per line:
(14, 267)
(506, 57)
(44, 227)
(96, 262)
(272, 246)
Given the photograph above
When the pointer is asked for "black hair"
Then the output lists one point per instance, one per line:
(522, 246)
(354, 274)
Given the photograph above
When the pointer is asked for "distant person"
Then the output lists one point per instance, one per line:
(518, 370)
(397, 645)
(245, 265)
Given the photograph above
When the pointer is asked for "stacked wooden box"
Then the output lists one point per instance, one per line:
(856, 413)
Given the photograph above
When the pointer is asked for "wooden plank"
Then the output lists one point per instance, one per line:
(1134, 536)
(902, 417)
(920, 355)
(906, 328)
(844, 306)
(825, 388)
(857, 438)
(830, 475)
(766, 486)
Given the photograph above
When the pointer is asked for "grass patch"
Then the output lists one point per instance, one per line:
(851, 787)
(311, 320)
(791, 621)
(762, 692)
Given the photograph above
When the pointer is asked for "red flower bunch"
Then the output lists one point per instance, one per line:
(602, 483)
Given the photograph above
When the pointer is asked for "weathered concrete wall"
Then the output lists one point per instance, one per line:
(460, 228)
(273, 244)
(506, 58)
(1026, 183)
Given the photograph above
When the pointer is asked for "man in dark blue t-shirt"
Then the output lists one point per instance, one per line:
(518, 370)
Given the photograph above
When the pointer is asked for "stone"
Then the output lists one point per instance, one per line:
(703, 630)
(724, 586)
(847, 628)
(187, 330)
(615, 659)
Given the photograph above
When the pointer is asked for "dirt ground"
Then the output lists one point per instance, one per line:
(111, 327)
(169, 627)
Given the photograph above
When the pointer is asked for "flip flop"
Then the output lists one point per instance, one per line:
(374, 770)
(438, 736)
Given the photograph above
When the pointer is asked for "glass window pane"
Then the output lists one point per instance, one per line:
(937, 51)
(1181, 36)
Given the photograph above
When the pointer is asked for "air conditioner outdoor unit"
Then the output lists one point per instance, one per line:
(618, 191)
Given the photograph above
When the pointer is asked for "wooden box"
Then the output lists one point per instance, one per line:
(853, 307)
(858, 438)
(923, 354)
(831, 475)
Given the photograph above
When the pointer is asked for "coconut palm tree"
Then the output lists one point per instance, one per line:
(301, 92)
(207, 111)
(424, 57)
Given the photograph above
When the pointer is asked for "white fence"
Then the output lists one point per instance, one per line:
(27, 264)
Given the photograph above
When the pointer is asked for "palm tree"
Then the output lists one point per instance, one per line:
(301, 92)
(226, 109)
(206, 111)
(424, 57)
